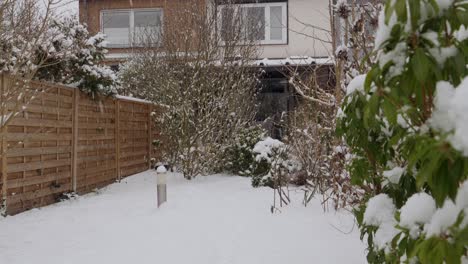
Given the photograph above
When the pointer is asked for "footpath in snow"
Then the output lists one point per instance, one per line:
(216, 219)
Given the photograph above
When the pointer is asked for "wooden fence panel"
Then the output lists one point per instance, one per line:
(96, 147)
(66, 142)
(38, 156)
(134, 137)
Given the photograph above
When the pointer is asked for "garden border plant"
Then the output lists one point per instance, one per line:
(405, 124)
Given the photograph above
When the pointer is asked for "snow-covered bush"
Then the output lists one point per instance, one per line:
(405, 124)
(273, 165)
(240, 158)
(207, 94)
(73, 56)
(38, 45)
(204, 106)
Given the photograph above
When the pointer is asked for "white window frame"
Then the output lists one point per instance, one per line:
(267, 6)
(131, 24)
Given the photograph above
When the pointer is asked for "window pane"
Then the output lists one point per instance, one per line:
(147, 26)
(148, 18)
(254, 19)
(227, 26)
(276, 23)
(116, 26)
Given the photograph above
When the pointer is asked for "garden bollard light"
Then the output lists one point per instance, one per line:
(161, 184)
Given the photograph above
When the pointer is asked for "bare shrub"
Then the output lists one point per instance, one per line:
(198, 73)
(311, 126)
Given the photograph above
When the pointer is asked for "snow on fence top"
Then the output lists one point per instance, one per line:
(133, 99)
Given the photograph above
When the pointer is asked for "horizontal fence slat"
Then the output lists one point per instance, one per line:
(39, 179)
(37, 137)
(97, 157)
(94, 147)
(19, 152)
(37, 165)
(95, 137)
(126, 163)
(47, 109)
(38, 194)
(19, 121)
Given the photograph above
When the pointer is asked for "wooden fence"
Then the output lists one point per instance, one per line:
(66, 142)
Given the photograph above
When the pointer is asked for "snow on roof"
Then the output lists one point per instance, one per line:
(289, 61)
(116, 56)
(294, 61)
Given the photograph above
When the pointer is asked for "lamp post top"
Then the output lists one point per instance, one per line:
(161, 169)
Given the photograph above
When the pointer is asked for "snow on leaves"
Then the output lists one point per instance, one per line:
(450, 113)
(62, 51)
(407, 129)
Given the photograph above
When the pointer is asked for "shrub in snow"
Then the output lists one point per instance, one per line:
(273, 164)
(59, 50)
(203, 108)
(266, 151)
(206, 93)
(405, 124)
(240, 158)
(322, 157)
(72, 57)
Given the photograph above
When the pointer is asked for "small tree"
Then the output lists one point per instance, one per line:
(404, 122)
(202, 78)
(73, 58)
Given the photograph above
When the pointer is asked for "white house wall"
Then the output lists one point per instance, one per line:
(304, 39)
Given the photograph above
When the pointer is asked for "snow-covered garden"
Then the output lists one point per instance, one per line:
(213, 219)
(384, 148)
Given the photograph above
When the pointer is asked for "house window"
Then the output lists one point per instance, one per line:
(262, 23)
(126, 28)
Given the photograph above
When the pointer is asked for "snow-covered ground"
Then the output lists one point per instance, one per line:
(210, 220)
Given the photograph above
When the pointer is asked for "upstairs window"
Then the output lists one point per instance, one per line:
(127, 28)
(262, 23)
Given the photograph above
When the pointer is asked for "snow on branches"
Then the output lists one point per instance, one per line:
(41, 46)
(72, 57)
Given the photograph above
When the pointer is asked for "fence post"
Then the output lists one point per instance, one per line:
(117, 136)
(3, 131)
(76, 102)
(4, 201)
(150, 141)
